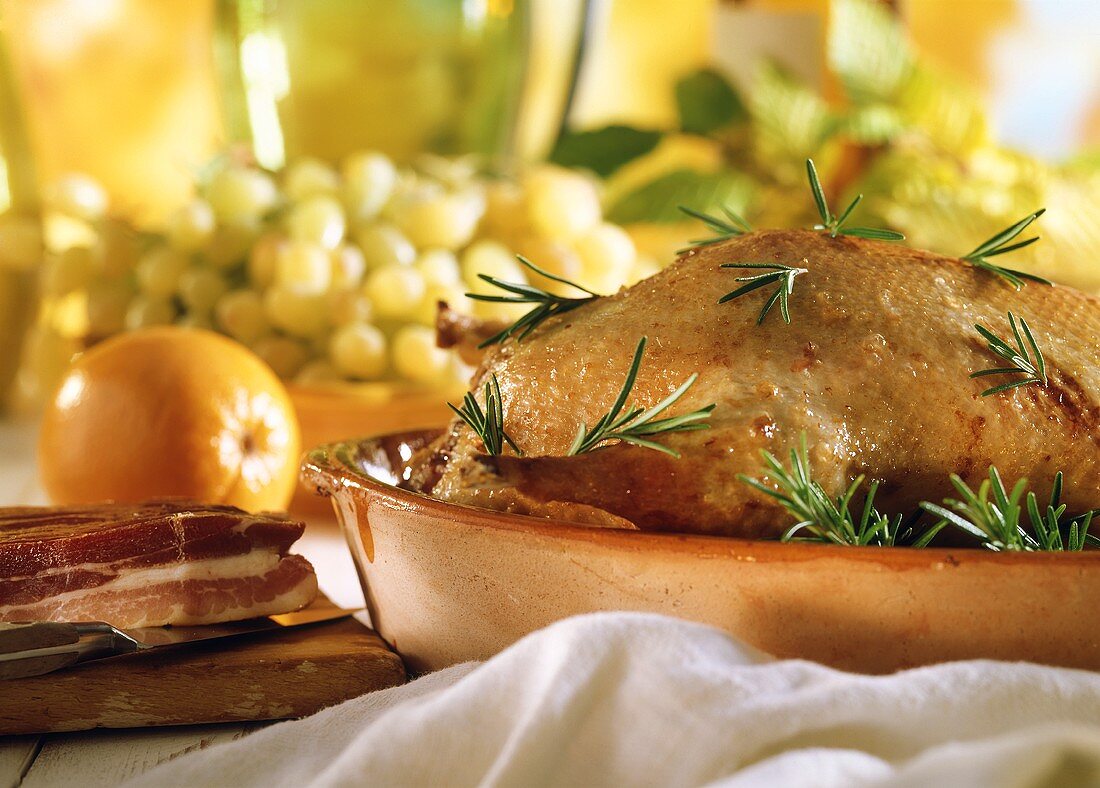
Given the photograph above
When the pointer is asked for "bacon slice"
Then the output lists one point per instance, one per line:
(150, 564)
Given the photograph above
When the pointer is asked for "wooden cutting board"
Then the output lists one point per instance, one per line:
(265, 676)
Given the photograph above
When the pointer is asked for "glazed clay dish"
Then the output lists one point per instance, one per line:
(446, 583)
(675, 447)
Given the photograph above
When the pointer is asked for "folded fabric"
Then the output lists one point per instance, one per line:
(630, 699)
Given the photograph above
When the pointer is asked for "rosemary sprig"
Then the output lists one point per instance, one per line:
(999, 244)
(783, 274)
(824, 519)
(730, 227)
(1026, 360)
(997, 522)
(488, 423)
(636, 424)
(548, 304)
(834, 225)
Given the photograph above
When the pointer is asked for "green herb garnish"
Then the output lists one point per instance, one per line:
(637, 424)
(730, 227)
(997, 245)
(1026, 360)
(548, 303)
(824, 519)
(834, 225)
(783, 274)
(997, 522)
(488, 423)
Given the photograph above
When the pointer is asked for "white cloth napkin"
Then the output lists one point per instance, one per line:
(642, 700)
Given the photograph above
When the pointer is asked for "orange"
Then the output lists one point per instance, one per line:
(170, 412)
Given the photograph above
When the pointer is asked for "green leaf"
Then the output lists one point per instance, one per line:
(874, 124)
(791, 121)
(603, 150)
(868, 49)
(707, 101)
(659, 200)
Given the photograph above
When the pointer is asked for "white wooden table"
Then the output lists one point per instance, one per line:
(107, 757)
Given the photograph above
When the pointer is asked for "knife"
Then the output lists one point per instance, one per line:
(38, 647)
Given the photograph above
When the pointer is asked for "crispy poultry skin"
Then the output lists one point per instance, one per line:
(873, 369)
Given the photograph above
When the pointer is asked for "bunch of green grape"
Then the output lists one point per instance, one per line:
(328, 273)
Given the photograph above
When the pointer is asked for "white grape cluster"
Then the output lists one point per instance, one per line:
(327, 273)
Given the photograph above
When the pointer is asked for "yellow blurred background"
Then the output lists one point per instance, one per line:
(124, 90)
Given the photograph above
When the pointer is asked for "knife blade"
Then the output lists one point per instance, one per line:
(38, 647)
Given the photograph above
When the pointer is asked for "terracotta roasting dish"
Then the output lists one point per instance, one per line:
(447, 583)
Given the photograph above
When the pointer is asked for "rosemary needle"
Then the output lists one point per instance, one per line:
(1026, 360)
(547, 304)
(487, 423)
(998, 524)
(999, 244)
(636, 425)
(834, 225)
(820, 518)
(730, 227)
(784, 275)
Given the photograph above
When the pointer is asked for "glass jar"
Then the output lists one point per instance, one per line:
(326, 78)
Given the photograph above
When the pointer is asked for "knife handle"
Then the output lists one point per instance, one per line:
(39, 647)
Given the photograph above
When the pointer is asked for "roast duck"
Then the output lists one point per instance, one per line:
(873, 369)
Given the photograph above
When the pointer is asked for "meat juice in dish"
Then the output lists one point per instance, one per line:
(874, 369)
(142, 565)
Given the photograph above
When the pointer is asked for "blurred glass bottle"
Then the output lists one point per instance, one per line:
(20, 227)
(328, 77)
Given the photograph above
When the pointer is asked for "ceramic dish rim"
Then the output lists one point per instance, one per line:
(330, 462)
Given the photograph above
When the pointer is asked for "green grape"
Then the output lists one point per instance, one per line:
(505, 210)
(145, 311)
(116, 249)
(21, 245)
(561, 204)
(240, 313)
(447, 221)
(495, 260)
(359, 351)
(607, 254)
(349, 306)
(263, 256)
(78, 196)
(319, 370)
(452, 295)
(301, 315)
(240, 195)
(195, 320)
(318, 220)
(369, 180)
(191, 227)
(231, 243)
(438, 267)
(159, 271)
(384, 245)
(643, 268)
(348, 267)
(309, 177)
(394, 291)
(555, 257)
(72, 269)
(107, 304)
(200, 289)
(416, 357)
(303, 268)
(492, 259)
(284, 355)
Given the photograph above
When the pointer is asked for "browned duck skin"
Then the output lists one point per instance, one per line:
(873, 369)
